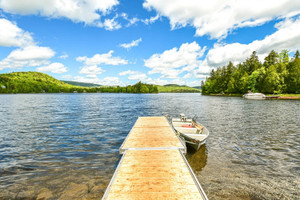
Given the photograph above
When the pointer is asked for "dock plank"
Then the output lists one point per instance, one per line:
(153, 166)
(165, 174)
(151, 132)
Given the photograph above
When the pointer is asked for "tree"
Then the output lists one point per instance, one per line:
(271, 59)
(292, 79)
(252, 63)
(252, 81)
(144, 89)
(138, 87)
(297, 54)
(241, 79)
(277, 74)
(271, 81)
(230, 86)
(284, 56)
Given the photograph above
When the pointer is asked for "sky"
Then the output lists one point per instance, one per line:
(121, 42)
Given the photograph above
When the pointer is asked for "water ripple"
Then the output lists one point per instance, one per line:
(54, 140)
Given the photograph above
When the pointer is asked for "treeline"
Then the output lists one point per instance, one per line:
(277, 74)
(33, 82)
(137, 88)
(174, 88)
(36, 82)
(75, 83)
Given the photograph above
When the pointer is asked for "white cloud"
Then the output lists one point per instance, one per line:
(134, 75)
(110, 24)
(193, 83)
(175, 61)
(57, 68)
(86, 11)
(160, 81)
(12, 36)
(151, 20)
(82, 79)
(217, 18)
(29, 56)
(188, 75)
(128, 72)
(110, 81)
(91, 75)
(91, 70)
(139, 76)
(203, 69)
(131, 21)
(64, 56)
(134, 20)
(106, 59)
(133, 43)
(68, 76)
(286, 37)
(91, 64)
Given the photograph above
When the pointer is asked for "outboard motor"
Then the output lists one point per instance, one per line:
(182, 118)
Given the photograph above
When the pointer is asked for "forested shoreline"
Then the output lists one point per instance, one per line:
(36, 82)
(277, 74)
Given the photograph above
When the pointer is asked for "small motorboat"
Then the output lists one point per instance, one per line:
(251, 95)
(191, 131)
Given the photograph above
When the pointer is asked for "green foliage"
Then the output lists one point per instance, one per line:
(33, 82)
(271, 59)
(81, 84)
(292, 78)
(36, 82)
(251, 64)
(174, 88)
(271, 81)
(137, 88)
(278, 74)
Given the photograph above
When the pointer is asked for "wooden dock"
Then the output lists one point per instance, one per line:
(153, 165)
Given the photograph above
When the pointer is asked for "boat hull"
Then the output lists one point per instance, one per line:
(191, 135)
(195, 146)
(254, 96)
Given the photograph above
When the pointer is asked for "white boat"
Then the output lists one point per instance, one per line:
(192, 132)
(251, 95)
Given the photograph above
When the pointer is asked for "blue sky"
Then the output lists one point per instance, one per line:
(120, 42)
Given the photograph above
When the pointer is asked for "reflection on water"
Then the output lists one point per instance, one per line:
(198, 159)
(62, 146)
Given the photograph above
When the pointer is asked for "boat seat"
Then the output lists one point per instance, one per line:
(199, 129)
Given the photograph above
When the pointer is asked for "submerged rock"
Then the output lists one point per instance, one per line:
(74, 191)
(44, 194)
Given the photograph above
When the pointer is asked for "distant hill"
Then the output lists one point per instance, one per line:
(33, 82)
(174, 85)
(81, 84)
(197, 87)
(174, 88)
(36, 82)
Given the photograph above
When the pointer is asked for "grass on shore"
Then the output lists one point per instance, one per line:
(177, 89)
(240, 95)
(289, 95)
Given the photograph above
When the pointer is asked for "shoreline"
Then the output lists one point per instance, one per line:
(268, 97)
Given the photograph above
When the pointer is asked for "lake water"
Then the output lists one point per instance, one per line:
(66, 146)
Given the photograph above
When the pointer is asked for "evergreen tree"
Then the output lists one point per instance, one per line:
(284, 56)
(293, 76)
(277, 74)
(297, 54)
(271, 59)
(252, 63)
(271, 81)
